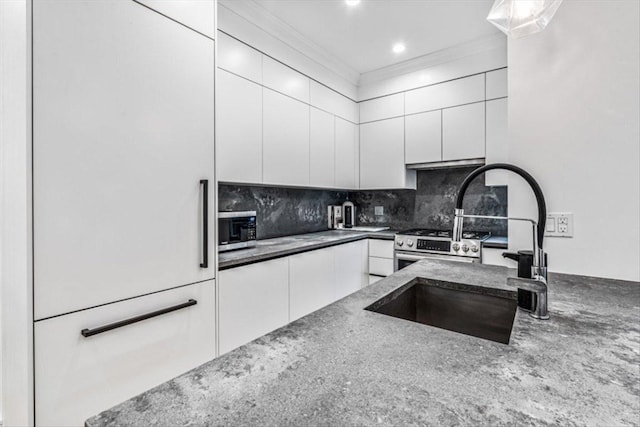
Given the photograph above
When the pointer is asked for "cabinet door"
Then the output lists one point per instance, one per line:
(239, 132)
(311, 282)
(423, 137)
(254, 300)
(463, 132)
(448, 94)
(382, 154)
(384, 107)
(346, 155)
(285, 140)
(196, 14)
(123, 134)
(321, 149)
(77, 377)
(497, 146)
(350, 268)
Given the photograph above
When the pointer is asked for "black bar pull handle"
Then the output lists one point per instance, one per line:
(95, 331)
(205, 223)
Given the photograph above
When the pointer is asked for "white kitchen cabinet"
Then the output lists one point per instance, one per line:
(238, 58)
(283, 79)
(285, 140)
(351, 272)
(321, 149)
(380, 257)
(311, 282)
(463, 132)
(239, 129)
(346, 154)
(254, 300)
(381, 108)
(123, 133)
(497, 147)
(382, 155)
(78, 377)
(497, 84)
(423, 137)
(196, 14)
(442, 95)
(326, 99)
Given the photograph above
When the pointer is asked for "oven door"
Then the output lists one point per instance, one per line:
(404, 259)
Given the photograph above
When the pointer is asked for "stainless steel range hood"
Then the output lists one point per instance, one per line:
(447, 164)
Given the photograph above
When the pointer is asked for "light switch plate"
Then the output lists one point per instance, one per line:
(379, 210)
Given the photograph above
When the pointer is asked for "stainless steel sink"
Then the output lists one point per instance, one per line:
(479, 312)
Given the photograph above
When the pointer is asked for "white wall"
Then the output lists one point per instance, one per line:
(15, 226)
(574, 120)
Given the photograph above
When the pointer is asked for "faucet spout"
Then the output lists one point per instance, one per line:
(538, 283)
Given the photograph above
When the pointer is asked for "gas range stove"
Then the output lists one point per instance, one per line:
(420, 240)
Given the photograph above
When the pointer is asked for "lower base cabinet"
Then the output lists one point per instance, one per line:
(77, 377)
(254, 300)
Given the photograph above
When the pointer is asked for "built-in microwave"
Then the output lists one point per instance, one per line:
(236, 230)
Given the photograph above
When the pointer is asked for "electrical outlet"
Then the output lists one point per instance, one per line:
(379, 210)
(559, 224)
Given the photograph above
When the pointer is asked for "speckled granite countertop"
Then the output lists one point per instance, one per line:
(289, 245)
(343, 365)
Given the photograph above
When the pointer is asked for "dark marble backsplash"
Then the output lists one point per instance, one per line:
(285, 211)
(281, 211)
(433, 203)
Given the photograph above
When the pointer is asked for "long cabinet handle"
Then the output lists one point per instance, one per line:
(95, 331)
(205, 223)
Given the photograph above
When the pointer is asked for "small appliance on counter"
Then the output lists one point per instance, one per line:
(348, 214)
(335, 216)
(236, 230)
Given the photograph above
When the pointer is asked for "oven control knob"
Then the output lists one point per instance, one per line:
(456, 247)
(410, 243)
(474, 248)
(399, 242)
(465, 248)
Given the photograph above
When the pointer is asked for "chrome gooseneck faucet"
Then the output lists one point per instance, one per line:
(538, 282)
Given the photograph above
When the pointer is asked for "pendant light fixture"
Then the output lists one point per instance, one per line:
(518, 18)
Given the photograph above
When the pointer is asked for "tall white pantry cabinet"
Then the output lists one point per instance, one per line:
(123, 199)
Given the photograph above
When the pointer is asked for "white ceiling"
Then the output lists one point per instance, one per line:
(362, 36)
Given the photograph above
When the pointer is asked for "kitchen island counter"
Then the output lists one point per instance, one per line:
(343, 365)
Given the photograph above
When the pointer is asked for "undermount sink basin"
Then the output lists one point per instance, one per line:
(456, 307)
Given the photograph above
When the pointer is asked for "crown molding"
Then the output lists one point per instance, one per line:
(473, 47)
(257, 15)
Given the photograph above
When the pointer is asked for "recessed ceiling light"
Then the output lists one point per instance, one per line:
(352, 2)
(398, 48)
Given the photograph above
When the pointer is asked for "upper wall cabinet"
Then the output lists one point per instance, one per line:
(285, 140)
(198, 15)
(118, 202)
(382, 108)
(497, 84)
(238, 58)
(463, 132)
(382, 155)
(239, 129)
(423, 137)
(443, 95)
(285, 80)
(326, 99)
(346, 154)
(321, 148)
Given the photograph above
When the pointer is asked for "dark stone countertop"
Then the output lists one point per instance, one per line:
(289, 245)
(343, 365)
